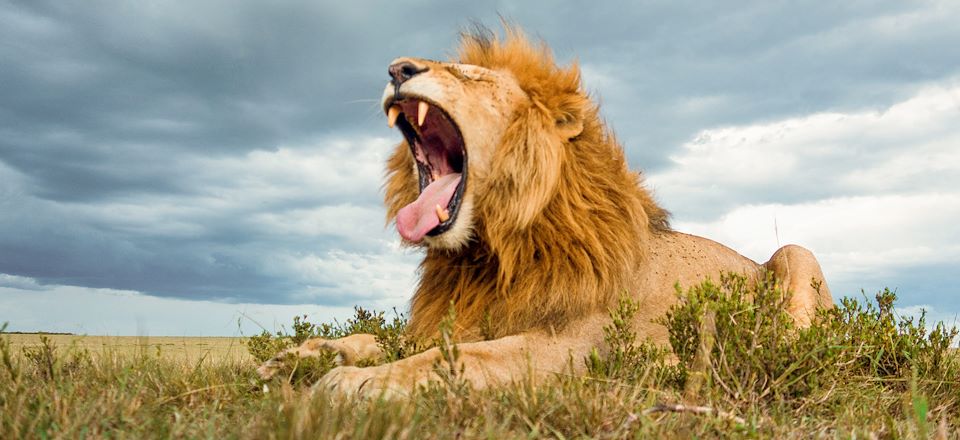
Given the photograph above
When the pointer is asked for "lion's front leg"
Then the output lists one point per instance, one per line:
(349, 349)
(484, 364)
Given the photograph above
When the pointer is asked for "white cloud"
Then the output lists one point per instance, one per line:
(874, 194)
(340, 168)
(910, 147)
(867, 236)
(18, 282)
(387, 278)
(345, 220)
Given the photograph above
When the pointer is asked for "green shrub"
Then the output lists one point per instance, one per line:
(628, 360)
(884, 345)
(734, 340)
(265, 346)
(391, 336)
(757, 351)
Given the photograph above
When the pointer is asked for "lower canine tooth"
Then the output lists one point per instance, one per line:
(392, 115)
(422, 112)
(442, 214)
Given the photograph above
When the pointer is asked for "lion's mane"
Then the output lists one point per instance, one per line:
(559, 225)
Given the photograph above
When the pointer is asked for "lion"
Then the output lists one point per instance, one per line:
(531, 221)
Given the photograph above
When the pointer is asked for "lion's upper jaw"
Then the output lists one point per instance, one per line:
(443, 106)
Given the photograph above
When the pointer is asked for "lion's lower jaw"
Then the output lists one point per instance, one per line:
(459, 235)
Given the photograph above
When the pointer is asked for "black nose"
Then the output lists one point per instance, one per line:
(403, 71)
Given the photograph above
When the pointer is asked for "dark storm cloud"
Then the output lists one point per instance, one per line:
(120, 87)
(228, 77)
(237, 241)
(678, 67)
(133, 135)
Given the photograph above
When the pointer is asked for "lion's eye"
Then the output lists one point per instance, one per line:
(456, 73)
(469, 73)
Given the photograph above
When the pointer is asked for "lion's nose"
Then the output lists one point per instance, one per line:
(402, 71)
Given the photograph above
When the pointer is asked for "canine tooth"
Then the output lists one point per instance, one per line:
(392, 115)
(442, 214)
(422, 112)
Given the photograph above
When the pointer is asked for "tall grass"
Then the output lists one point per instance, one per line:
(735, 367)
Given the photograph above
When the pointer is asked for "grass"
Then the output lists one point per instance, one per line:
(735, 368)
(178, 348)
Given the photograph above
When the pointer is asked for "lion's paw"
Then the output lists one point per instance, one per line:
(349, 350)
(274, 365)
(270, 368)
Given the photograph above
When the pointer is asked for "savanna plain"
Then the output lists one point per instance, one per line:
(735, 368)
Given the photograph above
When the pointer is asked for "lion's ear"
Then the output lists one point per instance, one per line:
(569, 116)
(569, 129)
(525, 171)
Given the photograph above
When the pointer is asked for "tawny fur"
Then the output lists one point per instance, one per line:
(561, 222)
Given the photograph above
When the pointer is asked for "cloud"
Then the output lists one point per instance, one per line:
(384, 278)
(120, 95)
(20, 283)
(272, 226)
(668, 71)
(232, 151)
(856, 239)
(906, 148)
(875, 195)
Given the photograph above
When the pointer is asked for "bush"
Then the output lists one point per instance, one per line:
(887, 346)
(265, 346)
(756, 353)
(628, 360)
(735, 340)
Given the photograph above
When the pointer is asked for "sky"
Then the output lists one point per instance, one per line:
(214, 167)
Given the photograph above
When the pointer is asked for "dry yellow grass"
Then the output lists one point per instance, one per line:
(174, 348)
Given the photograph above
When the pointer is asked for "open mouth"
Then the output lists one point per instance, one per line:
(441, 156)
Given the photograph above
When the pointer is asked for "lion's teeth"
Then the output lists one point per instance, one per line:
(392, 115)
(442, 214)
(422, 113)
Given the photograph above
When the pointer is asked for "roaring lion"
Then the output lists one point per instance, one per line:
(532, 223)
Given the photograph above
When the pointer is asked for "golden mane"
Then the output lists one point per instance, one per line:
(562, 226)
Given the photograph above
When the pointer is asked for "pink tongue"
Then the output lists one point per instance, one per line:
(419, 217)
